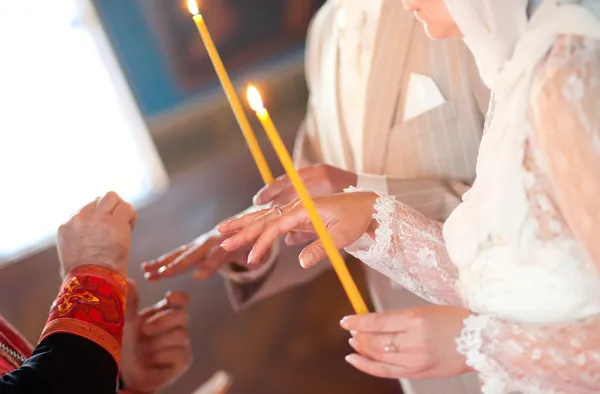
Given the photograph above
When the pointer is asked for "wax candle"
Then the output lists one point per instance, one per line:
(234, 101)
(333, 253)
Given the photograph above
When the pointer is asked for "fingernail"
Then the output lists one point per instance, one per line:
(350, 359)
(250, 257)
(225, 243)
(344, 323)
(223, 225)
(162, 304)
(353, 332)
(162, 269)
(306, 260)
(147, 275)
(352, 342)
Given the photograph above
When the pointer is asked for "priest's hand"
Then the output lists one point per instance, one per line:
(347, 216)
(319, 179)
(415, 343)
(156, 343)
(99, 233)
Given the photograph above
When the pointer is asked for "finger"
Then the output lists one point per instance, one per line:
(298, 238)
(236, 224)
(268, 233)
(124, 211)
(215, 259)
(108, 202)
(373, 346)
(315, 252)
(175, 358)
(178, 299)
(152, 310)
(133, 298)
(165, 321)
(189, 259)
(153, 267)
(269, 192)
(286, 196)
(391, 322)
(250, 232)
(376, 368)
(172, 300)
(177, 338)
(88, 208)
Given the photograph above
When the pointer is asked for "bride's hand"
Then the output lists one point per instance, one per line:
(415, 343)
(347, 217)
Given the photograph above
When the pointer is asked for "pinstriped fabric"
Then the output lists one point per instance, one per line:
(421, 160)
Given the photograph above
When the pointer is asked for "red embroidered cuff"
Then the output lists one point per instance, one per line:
(91, 304)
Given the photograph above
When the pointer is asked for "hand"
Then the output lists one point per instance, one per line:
(156, 343)
(100, 233)
(204, 254)
(320, 180)
(347, 216)
(421, 342)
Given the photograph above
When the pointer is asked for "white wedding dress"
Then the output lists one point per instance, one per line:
(517, 251)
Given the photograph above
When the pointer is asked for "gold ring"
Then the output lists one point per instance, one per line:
(278, 209)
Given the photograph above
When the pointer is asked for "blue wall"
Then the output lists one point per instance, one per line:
(139, 55)
(141, 59)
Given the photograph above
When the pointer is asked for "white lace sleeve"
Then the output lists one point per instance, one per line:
(566, 104)
(409, 248)
(560, 358)
(564, 162)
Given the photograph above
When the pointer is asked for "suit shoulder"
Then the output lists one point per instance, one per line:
(317, 31)
(324, 17)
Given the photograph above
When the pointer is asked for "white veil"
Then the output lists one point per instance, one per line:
(491, 29)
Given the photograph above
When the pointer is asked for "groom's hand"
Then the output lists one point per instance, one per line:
(156, 343)
(204, 255)
(320, 180)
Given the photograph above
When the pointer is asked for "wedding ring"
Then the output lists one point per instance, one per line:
(390, 347)
(278, 209)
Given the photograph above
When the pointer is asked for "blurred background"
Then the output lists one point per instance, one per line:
(120, 94)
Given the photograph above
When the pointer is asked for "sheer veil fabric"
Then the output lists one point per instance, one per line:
(513, 252)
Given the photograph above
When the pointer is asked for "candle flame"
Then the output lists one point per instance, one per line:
(193, 7)
(254, 99)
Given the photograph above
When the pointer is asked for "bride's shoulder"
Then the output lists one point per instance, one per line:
(569, 71)
(570, 56)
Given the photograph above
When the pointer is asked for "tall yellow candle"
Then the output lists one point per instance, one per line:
(234, 101)
(336, 259)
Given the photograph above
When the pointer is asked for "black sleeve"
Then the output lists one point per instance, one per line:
(64, 364)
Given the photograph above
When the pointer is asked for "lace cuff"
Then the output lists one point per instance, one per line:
(533, 358)
(366, 248)
(409, 249)
(471, 345)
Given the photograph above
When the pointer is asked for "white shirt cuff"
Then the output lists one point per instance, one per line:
(252, 275)
(377, 183)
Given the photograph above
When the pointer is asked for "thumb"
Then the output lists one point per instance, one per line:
(259, 197)
(312, 254)
(315, 252)
(298, 238)
(133, 300)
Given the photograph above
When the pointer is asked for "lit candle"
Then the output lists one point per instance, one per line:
(234, 101)
(284, 156)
